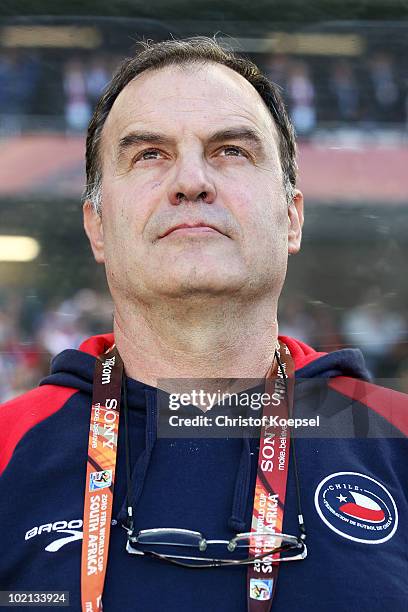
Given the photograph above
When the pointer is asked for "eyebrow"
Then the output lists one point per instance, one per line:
(135, 138)
(237, 133)
(234, 133)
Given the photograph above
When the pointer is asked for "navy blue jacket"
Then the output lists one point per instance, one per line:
(353, 477)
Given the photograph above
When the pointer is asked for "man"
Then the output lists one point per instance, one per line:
(193, 209)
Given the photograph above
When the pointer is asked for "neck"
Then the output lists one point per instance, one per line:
(184, 340)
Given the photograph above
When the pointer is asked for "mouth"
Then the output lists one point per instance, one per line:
(191, 229)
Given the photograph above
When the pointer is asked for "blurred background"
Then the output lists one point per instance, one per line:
(343, 72)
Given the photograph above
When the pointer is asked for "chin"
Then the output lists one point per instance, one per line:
(203, 283)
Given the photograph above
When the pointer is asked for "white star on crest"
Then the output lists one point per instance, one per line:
(341, 498)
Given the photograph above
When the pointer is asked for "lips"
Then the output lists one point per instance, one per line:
(192, 226)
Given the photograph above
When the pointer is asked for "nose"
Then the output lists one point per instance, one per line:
(192, 182)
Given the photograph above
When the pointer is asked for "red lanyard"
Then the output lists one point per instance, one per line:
(270, 488)
(100, 477)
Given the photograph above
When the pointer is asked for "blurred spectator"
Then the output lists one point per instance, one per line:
(301, 95)
(295, 321)
(385, 87)
(375, 330)
(8, 76)
(18, 80)
(77, 106)
(344, 88)
(327, 331)
(22, 364)
(73, 320)
(22, 369)
(60, 331)
(97, 76)
(276, 67)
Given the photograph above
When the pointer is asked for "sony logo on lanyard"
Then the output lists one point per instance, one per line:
(270, 486)
(100, 477)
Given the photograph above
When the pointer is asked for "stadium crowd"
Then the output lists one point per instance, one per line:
(364, 91)
(31, 333)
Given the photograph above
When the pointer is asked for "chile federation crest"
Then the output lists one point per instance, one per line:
(357, 507)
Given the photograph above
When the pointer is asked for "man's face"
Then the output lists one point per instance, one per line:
(192, 146)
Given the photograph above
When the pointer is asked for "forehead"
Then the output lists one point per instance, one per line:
(178, 99)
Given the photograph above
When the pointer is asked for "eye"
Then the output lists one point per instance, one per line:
(147, 155)
(232, 151)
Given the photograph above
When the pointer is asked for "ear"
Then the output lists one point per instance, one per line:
(94, 230)
(295, 214)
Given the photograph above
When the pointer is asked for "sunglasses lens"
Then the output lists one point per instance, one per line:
(169, 537)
